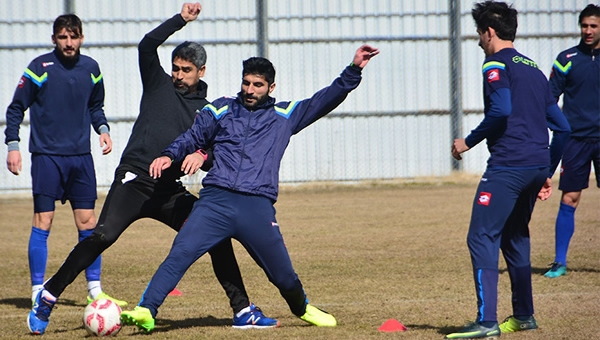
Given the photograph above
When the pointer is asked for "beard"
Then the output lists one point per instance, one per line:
(258, 100)
(181, 87)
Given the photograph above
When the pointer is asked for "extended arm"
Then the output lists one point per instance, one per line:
(150, 68)
(305, 112)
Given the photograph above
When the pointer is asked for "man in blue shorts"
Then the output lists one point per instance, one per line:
(249, 134)
(518, 108)
(64, 93)
(576, 76)
(167, 109)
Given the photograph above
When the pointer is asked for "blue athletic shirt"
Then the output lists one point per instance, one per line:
(64, 98)
(576, 73)
(519, 108)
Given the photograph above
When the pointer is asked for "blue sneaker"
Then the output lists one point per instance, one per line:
(37, 320)
(254, 318)
(556, 270)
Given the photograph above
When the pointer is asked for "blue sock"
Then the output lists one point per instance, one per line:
(38, 255)
(565, 227)
(92, 273)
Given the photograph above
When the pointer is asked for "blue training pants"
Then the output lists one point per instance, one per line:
(500, 220)
(220, 214)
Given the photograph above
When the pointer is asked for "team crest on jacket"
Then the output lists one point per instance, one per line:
(484, 198)
(493, 75)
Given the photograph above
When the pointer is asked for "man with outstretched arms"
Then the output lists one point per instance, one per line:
(249, 134)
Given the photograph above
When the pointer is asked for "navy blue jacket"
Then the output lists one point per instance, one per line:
(64, 98)
(519, 109)
(576, 73)
(249, 145)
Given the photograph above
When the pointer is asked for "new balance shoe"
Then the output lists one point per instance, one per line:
(318, 317)
(512, 324)
(103, 295)
(556, 270)
(140, 317)
(254, 318)
(37, 320)
(476, 331)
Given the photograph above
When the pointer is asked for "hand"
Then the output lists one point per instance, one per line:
(363, 55)
(192, 163)
(190, 11)
(14, 162)
(546, 190)
(105, 143)
(158, 165)
(459, 146)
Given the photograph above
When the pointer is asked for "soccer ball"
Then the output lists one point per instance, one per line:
(102, 317)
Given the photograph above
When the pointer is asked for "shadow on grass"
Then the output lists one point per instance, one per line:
(25, 303)
(542, 271)
(165, 325)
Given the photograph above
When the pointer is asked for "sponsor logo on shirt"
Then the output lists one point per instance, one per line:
(562, 170)
(21, 82)
(570, 55)
(493, 75)
(484, 198)
(47, 63)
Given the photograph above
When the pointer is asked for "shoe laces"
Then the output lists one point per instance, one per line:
(508, 318)
(256, 311)
(44, 309)
(555, 265)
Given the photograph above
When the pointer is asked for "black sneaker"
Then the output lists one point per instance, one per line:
(476, 331)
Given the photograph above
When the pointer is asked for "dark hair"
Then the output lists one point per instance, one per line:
(497, 15)
(590, 10)
(70, 22)
(259, 66)
(190, 51)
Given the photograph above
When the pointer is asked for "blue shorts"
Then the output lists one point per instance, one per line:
(576, 167)
(63, 178)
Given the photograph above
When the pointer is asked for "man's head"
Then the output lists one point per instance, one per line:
(258, 81)
(494, 19)
(589, 22)
(67, 35)
(188, 66)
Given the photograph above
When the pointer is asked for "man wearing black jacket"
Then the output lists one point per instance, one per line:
(167, 109)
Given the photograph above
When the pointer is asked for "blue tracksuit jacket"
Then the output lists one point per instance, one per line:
(64, 99)
(253, 142)
(576, 74)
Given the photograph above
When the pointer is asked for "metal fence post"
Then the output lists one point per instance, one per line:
(455, 62)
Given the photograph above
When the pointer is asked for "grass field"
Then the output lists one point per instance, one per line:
(366, 253)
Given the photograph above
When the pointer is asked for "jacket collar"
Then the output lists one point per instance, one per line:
(585, 49)
(200, 93)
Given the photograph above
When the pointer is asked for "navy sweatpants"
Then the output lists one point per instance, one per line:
(500, 220)
(221, 214)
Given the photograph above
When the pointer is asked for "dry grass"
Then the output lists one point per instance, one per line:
(366, 252)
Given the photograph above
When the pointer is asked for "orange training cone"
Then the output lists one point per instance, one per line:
(392, 325)
(175, 292)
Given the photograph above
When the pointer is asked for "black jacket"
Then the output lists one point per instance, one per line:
(164, 112)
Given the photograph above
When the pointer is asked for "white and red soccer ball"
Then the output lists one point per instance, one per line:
(102, 317)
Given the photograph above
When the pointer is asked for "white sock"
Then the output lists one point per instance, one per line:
(94, 289)
(35, 289)
(243, 311)
(47, 296)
